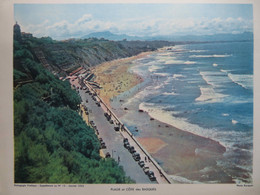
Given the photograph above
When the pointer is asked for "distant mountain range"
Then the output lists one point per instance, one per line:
(217, 37)
(110, 36)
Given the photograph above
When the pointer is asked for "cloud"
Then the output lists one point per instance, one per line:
(84, 19)
(140, 27)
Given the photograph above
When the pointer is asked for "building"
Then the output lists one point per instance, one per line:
(18, 35)
(17, 32)
(26, 35)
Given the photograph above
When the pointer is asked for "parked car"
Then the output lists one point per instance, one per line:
(103, 145)
(136, 156)
(116, 128)
(152, 178)
(125, 140)
(141, 163)
(146, 170)
(126, 145)
(107, 116)
(151, 175)
(100, 139)
(132, 149)
(108, 155)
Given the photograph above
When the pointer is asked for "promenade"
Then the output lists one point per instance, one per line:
(114, 139)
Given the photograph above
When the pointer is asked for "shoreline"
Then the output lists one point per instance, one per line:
(113, 84)
(179, 152)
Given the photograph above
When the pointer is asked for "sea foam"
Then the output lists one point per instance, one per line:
(208, 95)
(215, 79)
(154, 68)
(244, 80)
(210, 56)
(226, 138)
(177, 76)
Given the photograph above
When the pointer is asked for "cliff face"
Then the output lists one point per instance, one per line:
(64, 57)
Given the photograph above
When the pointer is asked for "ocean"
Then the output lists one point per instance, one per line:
(206, 89)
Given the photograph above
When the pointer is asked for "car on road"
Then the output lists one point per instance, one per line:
(150, 173)
(125, 140)
(108, 155)
(127, 145)
(141, 163)
(132, 149)
(103, 145)
(146, 170)
(107, 116)
(136, 156)
(151, 176)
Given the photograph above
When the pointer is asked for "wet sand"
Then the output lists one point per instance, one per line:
(179, 152)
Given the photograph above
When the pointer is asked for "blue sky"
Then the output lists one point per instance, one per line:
(62, 21)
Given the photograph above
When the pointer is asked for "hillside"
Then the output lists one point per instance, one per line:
(66, 56)
(52, 143)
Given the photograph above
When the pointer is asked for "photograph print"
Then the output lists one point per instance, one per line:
(133, 93)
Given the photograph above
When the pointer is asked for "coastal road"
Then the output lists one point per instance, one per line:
(114, 141)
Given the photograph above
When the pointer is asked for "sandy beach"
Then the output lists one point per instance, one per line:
(114, 77)
(179, 152)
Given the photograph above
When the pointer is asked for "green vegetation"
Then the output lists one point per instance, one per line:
(52, 142)
(66, 56)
